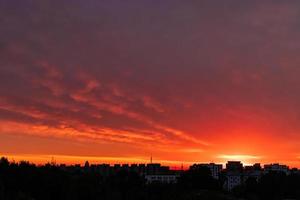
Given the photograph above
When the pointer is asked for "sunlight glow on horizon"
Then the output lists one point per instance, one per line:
(69, 159)
(72, 159)
(245, 159)
(240, 157)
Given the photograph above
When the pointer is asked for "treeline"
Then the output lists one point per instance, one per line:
(25, 181)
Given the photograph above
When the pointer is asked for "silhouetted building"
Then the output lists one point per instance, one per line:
(215, 169)
(142, 169)
(116, 168)
(234, 173)
(155, 168)
(103, 169)
(276, 168)
(134, 168)
(236, 166)
(125, 167)
(254, 171)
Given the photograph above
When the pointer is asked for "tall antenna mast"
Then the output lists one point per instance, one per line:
(53, 162)
(151, 159)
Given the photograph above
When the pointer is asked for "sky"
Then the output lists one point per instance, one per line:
(118, 81)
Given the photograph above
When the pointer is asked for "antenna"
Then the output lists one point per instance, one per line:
(151, 159)
(53, 161)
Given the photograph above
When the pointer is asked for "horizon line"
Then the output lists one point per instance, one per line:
(42, 159)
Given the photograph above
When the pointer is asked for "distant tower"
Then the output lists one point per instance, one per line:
(53, 161)
(181, 166)
(151, 159)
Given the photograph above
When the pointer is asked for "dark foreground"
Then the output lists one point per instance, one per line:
(24, 181)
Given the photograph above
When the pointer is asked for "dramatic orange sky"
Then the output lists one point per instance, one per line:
(117, 81)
